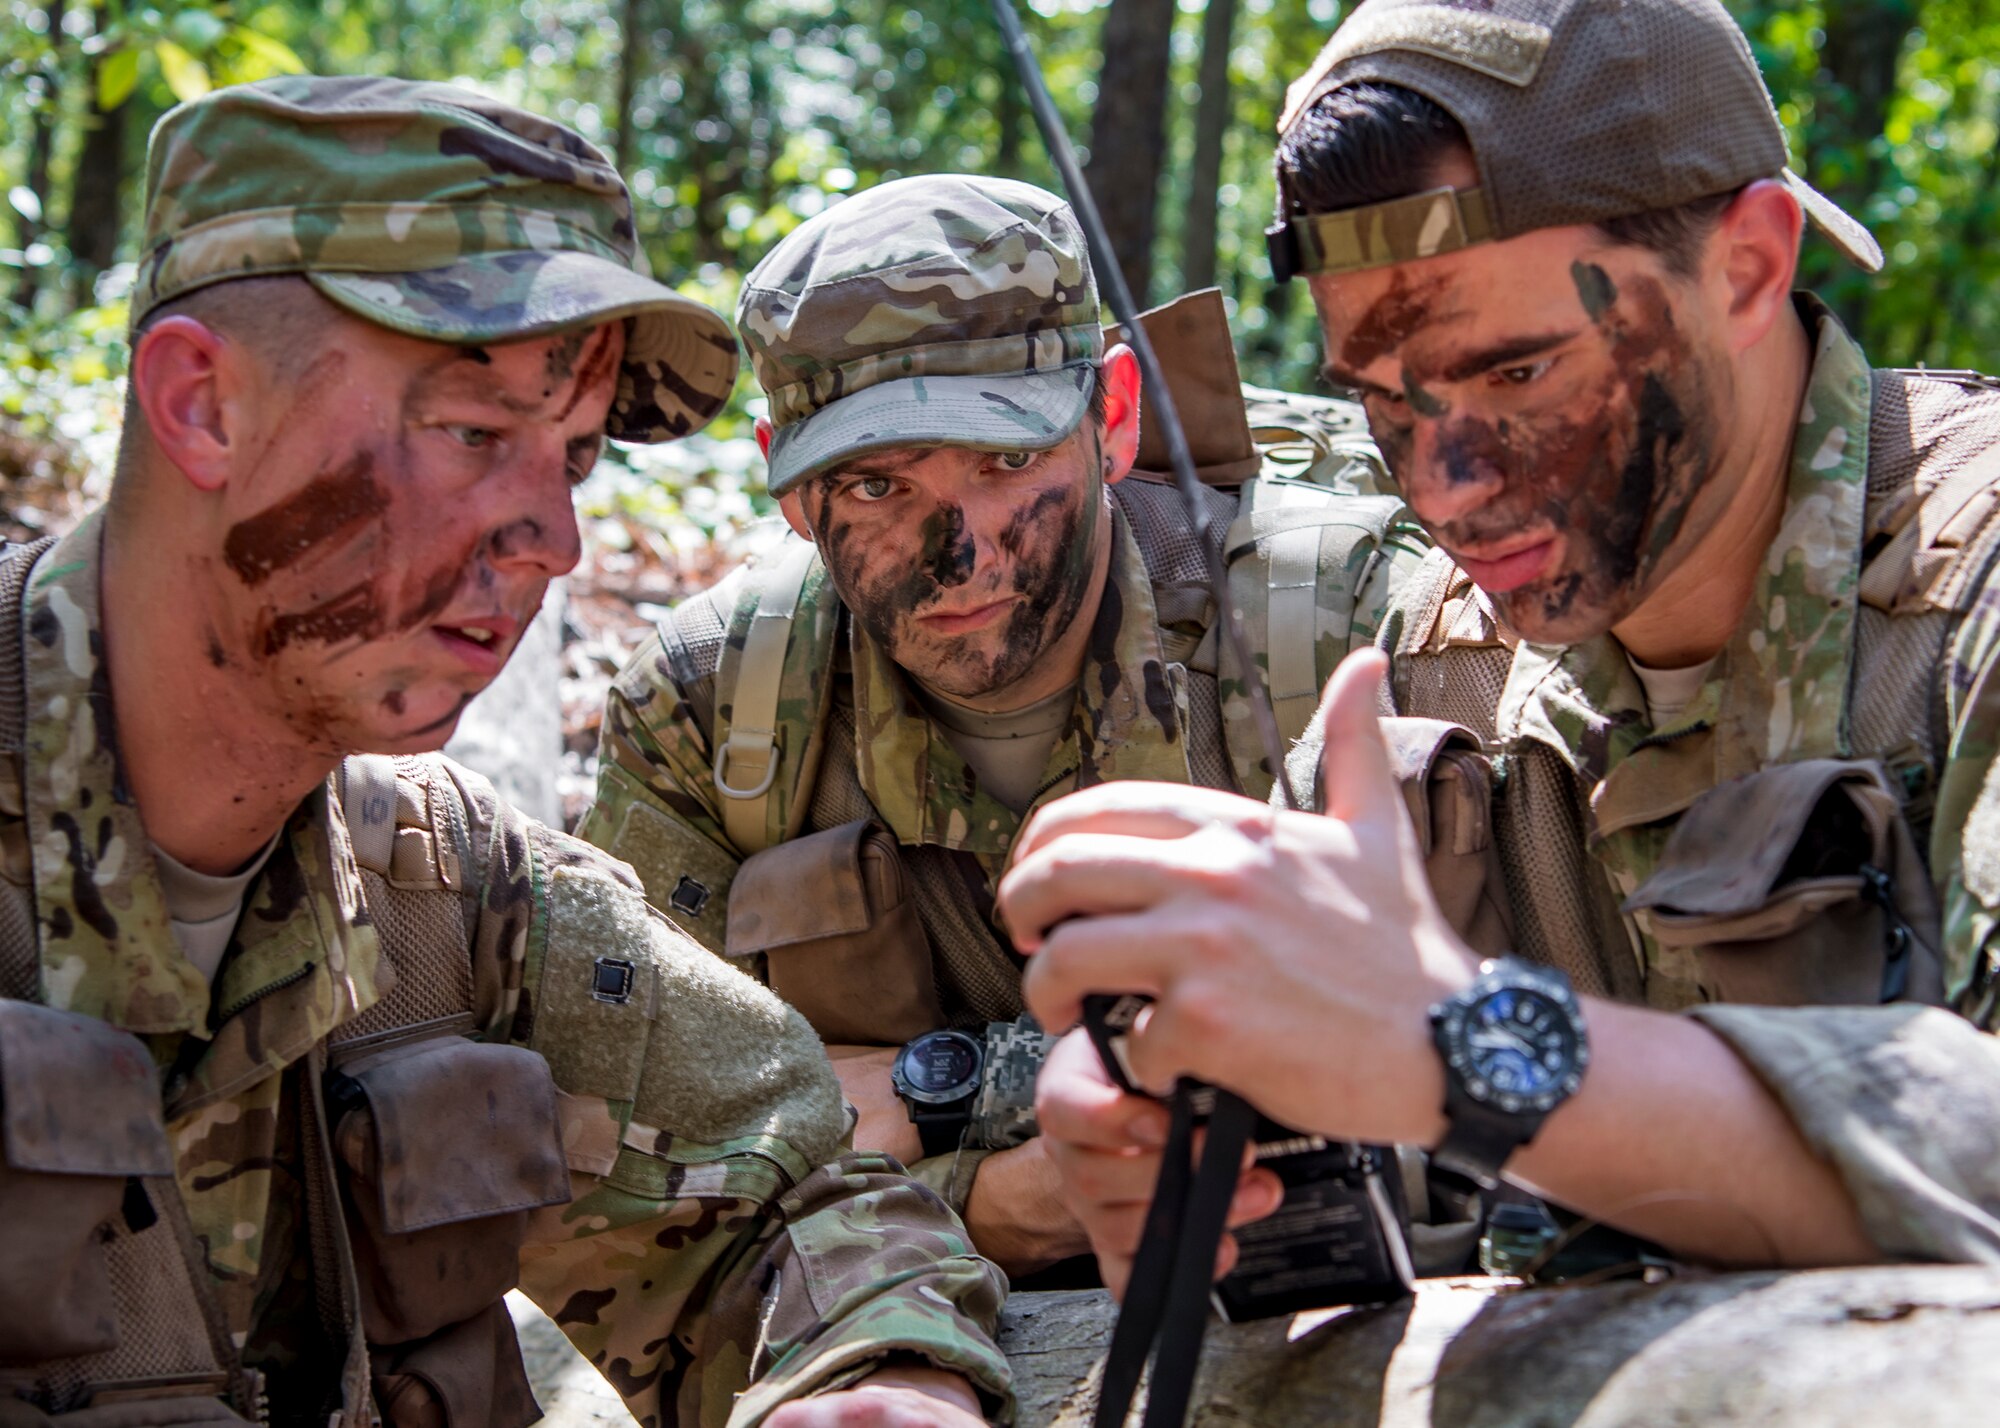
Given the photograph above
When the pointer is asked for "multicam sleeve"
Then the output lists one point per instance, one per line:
(724, 1252)
(1905, 1101)
(656, 805)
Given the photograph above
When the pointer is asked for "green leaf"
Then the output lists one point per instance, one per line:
(116, 78)
(275, 56)
(197, 29)
(186, 76)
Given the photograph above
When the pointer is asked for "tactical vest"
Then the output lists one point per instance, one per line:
(1806, 883)
(110, 1322)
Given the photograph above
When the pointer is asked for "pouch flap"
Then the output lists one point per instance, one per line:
(1798, 904)
(463, 1130)
(1415, 746)
(807, 888)
(1198, 358)
(78, 1096)
(1730, 851)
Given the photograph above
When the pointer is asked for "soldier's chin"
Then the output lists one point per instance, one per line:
(417, 726)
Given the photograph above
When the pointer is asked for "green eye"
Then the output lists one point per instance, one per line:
(1017, 460)
(874, 488)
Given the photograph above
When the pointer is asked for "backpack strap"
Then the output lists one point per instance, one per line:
(20, 953)
(771, 694)
(1309, 570)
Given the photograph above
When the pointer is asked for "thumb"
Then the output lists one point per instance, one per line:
(1354, 770)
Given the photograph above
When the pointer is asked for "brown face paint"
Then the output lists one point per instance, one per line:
(352, 614)
(331, 506)
(1390, 320)
(1615, 470)
(596, 364)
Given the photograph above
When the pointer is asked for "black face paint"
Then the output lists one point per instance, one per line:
(1040, 561)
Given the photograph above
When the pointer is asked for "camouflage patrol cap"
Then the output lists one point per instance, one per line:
(947, 310)
(1577, 112)
(430, 210)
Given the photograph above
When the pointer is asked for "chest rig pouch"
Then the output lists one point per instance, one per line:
(833, 918)
(1798, 885)
(445, 1145)
(93, 1241)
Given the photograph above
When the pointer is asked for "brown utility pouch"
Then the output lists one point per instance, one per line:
(447, 1144)
(79, 1119)
(1798, 885)
(1447, 783)
(468, 1375)
(834, 917)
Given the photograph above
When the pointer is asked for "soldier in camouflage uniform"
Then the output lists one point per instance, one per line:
(986, 609)
(300, 1074)
(1721, 632)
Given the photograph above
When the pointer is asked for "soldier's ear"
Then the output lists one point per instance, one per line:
(1119, 373)
(764, 431)
(183, 379)
(1753, 258)
(794, 508)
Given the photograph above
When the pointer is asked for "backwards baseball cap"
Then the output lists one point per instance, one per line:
(947, 310)
(430, 210)
(1577, 111)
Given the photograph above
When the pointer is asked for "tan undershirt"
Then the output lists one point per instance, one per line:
(1670, 691)
(202, 908)
(1008, 752)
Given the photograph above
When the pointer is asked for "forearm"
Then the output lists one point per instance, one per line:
(1674, 1138)
(1016, 1215)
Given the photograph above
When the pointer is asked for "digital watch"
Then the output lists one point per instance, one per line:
(1514, 1049)
(938, 1075)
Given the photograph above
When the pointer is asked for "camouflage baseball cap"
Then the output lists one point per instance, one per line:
(1577, 111)
(430, 210)
(947, 310)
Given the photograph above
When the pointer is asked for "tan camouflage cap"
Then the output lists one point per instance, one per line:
(947, 310)
(1578, 111)
(430, 210)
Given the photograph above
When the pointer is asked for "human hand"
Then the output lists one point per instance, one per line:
(1105, 1145)
(884, 1122)
(1291, 957)
(895, 1397)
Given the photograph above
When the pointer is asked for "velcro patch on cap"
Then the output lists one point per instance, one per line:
(1401, 230)
(1508, 50)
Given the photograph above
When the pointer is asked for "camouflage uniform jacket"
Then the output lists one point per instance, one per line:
(1904, 1100)
(1149, 705)
(721, 1252)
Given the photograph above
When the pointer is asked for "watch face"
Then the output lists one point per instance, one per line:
(1516, 1048)
(939, 1066)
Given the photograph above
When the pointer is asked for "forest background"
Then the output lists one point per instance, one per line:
(735, 120)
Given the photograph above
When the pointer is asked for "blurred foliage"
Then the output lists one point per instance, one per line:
(737, 119)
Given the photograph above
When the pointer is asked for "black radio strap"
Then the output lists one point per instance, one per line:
(1165, 1312)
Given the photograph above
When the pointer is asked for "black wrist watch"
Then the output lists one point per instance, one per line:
(1514, 1049)
(937, 1075)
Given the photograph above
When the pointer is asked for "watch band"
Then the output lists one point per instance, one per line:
(1480, 1141)
(941, 1128)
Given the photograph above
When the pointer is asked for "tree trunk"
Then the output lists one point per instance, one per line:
(94, 195)
(1128, 131)
(1857, 80)
(41, 150)
(632, 49)
(1211, 127)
